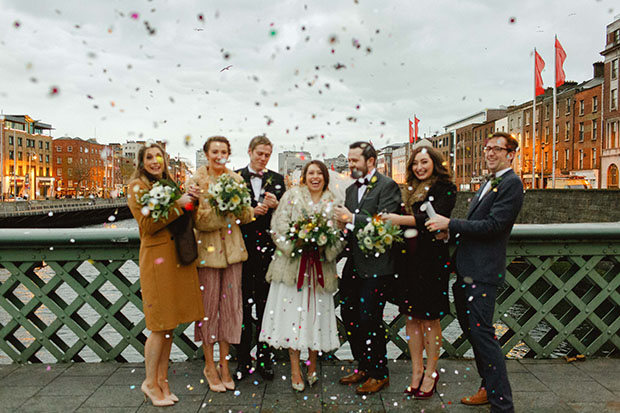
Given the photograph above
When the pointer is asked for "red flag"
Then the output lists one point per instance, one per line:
(539, 66)
(560, 57)
(410, 131)
(416, 120)
(333, 169)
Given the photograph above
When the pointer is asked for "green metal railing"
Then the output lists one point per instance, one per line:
(75, 294)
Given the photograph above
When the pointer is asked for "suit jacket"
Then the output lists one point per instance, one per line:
(256, 233)
(482, 237)
(384, 196)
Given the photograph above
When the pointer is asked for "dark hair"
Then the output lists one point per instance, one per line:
(511, 142)
(140, 171)
(205, 147)
(259, 140)
(322, 168)
(368, 151)
(439, 166)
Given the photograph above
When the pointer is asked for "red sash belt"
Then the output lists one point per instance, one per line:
(311, 266)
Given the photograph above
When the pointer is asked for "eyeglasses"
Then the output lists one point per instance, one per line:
(495, 149)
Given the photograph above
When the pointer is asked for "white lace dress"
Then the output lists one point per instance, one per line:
(306, 318)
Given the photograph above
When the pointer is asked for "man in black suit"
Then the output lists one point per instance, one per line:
(366, 279)
(266, 188)
(480, 260)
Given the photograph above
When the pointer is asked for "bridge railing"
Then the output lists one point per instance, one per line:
(52, 205)
(71, 295)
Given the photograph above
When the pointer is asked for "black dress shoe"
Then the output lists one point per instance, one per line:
(266, 372)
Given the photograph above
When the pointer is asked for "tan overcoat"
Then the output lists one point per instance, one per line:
(170, 291)
(220, 241)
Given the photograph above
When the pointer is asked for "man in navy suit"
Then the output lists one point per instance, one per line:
(366, 279)
(480, 260)
(266, 188)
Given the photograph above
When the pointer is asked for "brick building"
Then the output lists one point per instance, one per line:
(113, 178)
(442, 144)
(25, 158)
(79, 167)
(610, 157)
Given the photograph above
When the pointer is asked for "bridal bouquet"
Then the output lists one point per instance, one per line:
(158, 201)
(311, 232)
(228, 195)
(378, 236)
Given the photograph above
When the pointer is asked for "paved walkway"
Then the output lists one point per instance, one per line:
(538, 386)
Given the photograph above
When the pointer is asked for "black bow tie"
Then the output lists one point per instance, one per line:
(488, 177)
(256, 175)
(359, 183)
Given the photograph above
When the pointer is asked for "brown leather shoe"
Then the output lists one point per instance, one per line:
(477, 399)
(353, 378)
(372, 386)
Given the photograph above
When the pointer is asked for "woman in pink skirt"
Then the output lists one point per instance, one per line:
(221, 251)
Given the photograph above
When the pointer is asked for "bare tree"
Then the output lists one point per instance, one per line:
(82, 174)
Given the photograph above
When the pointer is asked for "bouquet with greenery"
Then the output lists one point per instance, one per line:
(229, 196)
(312, 232)
(378, 236)
(158, 201)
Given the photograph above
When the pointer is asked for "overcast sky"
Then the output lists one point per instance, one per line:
(311, 75)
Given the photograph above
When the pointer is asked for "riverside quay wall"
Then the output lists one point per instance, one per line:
(554, 206)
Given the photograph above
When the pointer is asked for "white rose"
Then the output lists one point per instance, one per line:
(369, 228)
(368, 242)
(322, 240)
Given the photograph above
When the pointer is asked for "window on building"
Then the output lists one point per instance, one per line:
(81, 149)
(527, 118)
(58, 161)
(47, 159)
(594, 104)
(546, 160)
(19, 141)
(538, 115)
(568, 103)
(70, 171)
(593, 163)
(81, 161)
(59, 172)
(20, 170)
(69, 148)
(567, 131)
(40, 171)
(47, 146)
(580, 158)
(566, 158)
(11, 155)
(19, 156)
(69, 161)
(519, 122)
(581, 131)
(11, 139)
(556, 156)
(40, 144)
(582, 107)
(47, 172)
(58, 148)
(614, 69)
(594, 129)
(557, 109)
(527, 138)
(547, 111)
(614, 99)
(11, 170)
(546, 134)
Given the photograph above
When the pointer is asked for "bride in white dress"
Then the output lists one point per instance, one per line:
(302, 318)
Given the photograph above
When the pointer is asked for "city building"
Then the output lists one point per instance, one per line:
(79, 167)
(339, 163)
(289, 161)
(131, 149)
(610, 157)
(400, 155)
(384, 159)
(442, 144)
(113, 178)
(25, 158)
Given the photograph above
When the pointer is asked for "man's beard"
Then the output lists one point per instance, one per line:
(358, 173)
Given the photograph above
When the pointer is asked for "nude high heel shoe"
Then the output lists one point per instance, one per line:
(230, 385)
(218, 388)
(156, 402)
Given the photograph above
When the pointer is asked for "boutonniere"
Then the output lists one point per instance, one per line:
(269, 180)
(372, 183)
(495, 181)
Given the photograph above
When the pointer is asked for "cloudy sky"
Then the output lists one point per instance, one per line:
(311, 75)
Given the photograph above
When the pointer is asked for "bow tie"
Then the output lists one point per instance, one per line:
(256, 175)
(359, 183)
(488, 177)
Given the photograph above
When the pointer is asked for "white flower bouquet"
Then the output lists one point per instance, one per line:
(378, 236)
(229, 196)
(158, 201)
(312, 232)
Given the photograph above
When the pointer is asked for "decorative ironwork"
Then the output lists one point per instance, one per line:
(71, 295)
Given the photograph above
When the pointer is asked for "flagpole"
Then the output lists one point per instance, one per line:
(555, 63)
(534, 128)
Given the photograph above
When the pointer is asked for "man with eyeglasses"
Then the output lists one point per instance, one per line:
(480, 262)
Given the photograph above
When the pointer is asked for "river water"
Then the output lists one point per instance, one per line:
(131, 271)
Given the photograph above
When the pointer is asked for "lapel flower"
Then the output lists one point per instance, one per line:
(268, 181)
(496, 180)
(372, 183)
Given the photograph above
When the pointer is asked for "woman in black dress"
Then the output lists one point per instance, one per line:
(425, 297)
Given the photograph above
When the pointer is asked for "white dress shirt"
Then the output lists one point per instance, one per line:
(257, 183)
(362, 189)
(487, 186)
